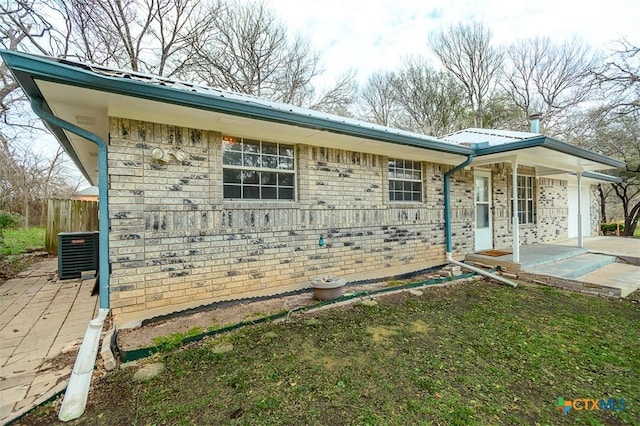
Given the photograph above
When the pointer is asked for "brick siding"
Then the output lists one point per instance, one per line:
(175, 243)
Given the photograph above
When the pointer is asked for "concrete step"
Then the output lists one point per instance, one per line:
(572, 267)
(538, 254)
(619, 275)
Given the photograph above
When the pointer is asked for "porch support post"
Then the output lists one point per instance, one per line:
(515, 225)
(580, 239)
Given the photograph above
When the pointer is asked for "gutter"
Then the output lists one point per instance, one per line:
(447, 222)
(75, 398)
(82, 75)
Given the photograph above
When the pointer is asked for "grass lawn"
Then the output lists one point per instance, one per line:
(17, 241)
(475, 353)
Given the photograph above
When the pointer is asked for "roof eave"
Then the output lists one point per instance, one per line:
(555, 145)
(602, 177)
(46, 69)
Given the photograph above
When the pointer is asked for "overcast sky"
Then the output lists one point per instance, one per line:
(376, 34)
(368, 35)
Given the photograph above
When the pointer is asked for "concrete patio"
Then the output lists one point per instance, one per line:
(616, 246)
(40, 318)
(604, 266)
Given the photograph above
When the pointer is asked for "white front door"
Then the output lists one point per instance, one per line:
(484, 228)
(572, 202)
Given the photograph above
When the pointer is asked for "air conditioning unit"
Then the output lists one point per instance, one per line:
(77, 252)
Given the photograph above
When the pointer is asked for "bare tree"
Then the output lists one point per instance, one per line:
(338, 98)
(434, 101)
(619, 79)
(604, 194)
(465, 50)
(28, 180)
(378, 99)
(249, 52)
(152, 36)
(549, 78)
(619, 136)
(24, 25)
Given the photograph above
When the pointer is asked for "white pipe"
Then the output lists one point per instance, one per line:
(514, 210)
(450, 259)
(580, 238)
(75, 398)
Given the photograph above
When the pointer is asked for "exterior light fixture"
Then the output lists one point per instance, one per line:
(157, 153)
(179, 154)
(163, 156)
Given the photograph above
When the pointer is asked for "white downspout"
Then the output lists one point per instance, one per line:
(580, 238)
(515, 223)
(498, 278)
(75, 398)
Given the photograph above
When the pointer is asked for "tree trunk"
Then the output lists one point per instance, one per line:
(631, 220)
(26, 213)
(43, 211)
(603, 204)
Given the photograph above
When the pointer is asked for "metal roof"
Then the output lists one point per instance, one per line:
(245, 98)
(27, 68)
(187, 94)
(491, 136)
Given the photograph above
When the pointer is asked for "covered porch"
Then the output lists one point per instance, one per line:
(535, 158)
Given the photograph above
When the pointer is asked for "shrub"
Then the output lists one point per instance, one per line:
(9, 220)
(610, 228)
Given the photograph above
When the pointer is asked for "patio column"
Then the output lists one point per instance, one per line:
(514, 209)
(580, 239)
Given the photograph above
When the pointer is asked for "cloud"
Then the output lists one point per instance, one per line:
(370, 35)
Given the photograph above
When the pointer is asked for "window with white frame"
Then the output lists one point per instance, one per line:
(405, 180)
(526, 200)
(257, 170)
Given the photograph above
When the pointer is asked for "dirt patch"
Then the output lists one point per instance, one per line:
(224, 315)
(129, 339)
(381, 334)
(634, 297)
(420, 326)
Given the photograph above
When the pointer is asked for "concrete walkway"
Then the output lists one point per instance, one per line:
(615, 246)
(40, 318)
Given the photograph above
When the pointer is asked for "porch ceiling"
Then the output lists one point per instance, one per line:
(90, 110)
(547, 161)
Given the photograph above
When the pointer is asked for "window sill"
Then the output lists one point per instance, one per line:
(266, 204)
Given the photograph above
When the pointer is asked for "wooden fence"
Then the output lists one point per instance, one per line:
(69, 216)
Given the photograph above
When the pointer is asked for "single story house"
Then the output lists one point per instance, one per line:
(209, 195)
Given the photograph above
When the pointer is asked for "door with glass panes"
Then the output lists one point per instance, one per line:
(483, 222)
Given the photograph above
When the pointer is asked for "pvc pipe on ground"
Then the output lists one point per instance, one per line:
(498, 278)
(75, 398)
